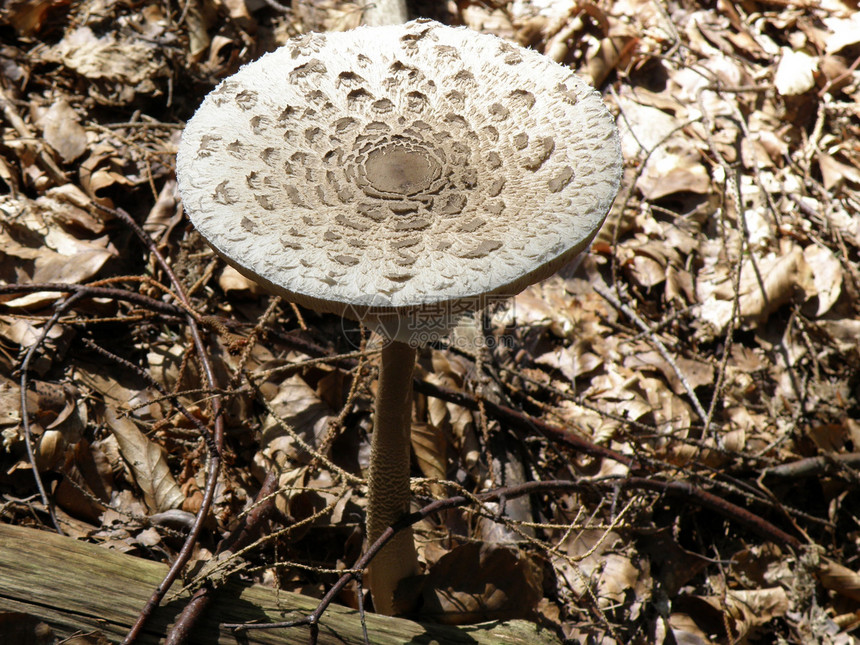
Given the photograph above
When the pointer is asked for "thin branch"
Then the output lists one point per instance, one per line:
(214, 465)
(615, 302)
(25, 414)
(172, 397)
(243, 535)
(680, 489)
(90, 291)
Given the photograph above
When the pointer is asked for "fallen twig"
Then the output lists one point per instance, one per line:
(214, 464)
(255, 520)
(682, 489)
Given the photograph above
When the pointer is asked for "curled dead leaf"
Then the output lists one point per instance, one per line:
(835, 173)
(748, 610)
(147, 462)
(795, 73)
(233, 282)
(475, 583)
(839, 578)
(843, 32)
(613, 51)
(674, 163)
(844, 333)
(62, 130)
(696, 373)
(300, 409)
(827, 276)
(430, 447)
(768, 286)
(619, 575)
(572, 361)
(51, 253)
(102, 169)
(767, 283)
(129, 65)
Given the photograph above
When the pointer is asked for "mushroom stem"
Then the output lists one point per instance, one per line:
(388, 489)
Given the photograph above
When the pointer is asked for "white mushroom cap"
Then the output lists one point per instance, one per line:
(399, 173)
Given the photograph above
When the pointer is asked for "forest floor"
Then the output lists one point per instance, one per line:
(694, 378)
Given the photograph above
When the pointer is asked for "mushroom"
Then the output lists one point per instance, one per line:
(400, 176)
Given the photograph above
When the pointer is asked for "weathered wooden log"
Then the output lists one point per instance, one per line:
(73, 585)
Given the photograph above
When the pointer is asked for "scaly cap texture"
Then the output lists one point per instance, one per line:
(395, 171)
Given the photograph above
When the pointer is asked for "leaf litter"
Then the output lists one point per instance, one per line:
(709, 339)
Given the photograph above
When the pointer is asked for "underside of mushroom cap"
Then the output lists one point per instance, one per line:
(411, 170)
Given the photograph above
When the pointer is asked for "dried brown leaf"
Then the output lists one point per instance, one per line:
(771, 283)
(844, 32)
(835, 173)
(674, 164)
(118, 389)
(68, 206)
(572, 361)
(302, 496)
(619, 575)
(647, 271)
(299, 407)
(827, 276)
(87, 483)
(795, 73)
(102, 169)
(132, 64)
(233, 282)
(839, 578)
(747, 610)
(696, 373)
(845, 333)
(431, 450)
(148, 464)
(34, 248)
(612, 52)
(767, 283)
(10, 410)
(672, 565)
(477, 583)
(62, 130)
(451, 371)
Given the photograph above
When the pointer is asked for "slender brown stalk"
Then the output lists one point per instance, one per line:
(388, 479)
